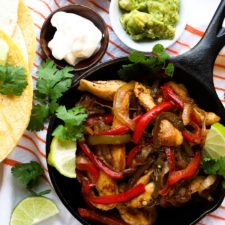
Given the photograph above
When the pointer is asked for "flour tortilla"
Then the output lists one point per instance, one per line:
(27, 28)
(8, 16)
(15, 111)
(17, 23)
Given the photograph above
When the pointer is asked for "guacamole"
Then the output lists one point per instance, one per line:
(150, 19)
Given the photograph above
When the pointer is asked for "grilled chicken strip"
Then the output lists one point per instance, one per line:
(103, 89)
(211, 117)
(106, 186)
(179, 89)
(143, 94)
(145, 198)
(200, 114)
(137, 216)
(201, 183)
(169, 135)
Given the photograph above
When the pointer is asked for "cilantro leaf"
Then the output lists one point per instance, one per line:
(214, 166)
(73, 127)
(129, 71)
(158, 48)
(169, 70)
(141, 66)
(74, 116)
(136, 57)
(67, 132)
(38, 116)
(52, 82)
(28, 173)
(50, 86)
(53, 105)
(12, 80)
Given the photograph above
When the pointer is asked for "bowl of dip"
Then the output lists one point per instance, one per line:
(74, 36)
(142, 24)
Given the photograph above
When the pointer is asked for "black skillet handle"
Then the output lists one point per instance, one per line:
(200, 60)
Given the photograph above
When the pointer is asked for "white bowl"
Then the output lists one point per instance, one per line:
(144, 46)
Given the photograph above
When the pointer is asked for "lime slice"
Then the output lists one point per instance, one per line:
(4, 50)
(215, 141)
(33, 210)
(62, 157)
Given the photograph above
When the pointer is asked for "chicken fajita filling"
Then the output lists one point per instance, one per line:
(141, 149)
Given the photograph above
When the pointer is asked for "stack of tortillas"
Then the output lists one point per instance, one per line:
(17, 35)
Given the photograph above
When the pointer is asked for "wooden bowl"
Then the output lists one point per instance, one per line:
(48, 31)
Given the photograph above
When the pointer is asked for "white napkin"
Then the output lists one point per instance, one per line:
(32, 145)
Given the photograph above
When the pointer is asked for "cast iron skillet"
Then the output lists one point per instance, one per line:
(193, 69)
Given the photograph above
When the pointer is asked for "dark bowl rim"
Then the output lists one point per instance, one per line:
(105, 36)
(48, 138)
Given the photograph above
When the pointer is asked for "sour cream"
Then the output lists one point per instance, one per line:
(76, 38)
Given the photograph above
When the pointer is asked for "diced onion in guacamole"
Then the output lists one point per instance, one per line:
(150, 19)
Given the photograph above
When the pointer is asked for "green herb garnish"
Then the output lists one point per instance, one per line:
(214, 167)
(141, 65)
(29, 174)
(51, 85)
(12, 80)
(73, 127)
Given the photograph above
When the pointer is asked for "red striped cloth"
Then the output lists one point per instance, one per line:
(32, 145)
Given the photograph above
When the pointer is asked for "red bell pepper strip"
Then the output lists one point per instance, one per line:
(98, 163)
(176, 176)
(165, 190)
(122, 129)
(189, 171)
(86, 188)
(92, 215)
(170, 158)
(194, 118)
(147, 118)
(108, 119)
(169, 94)
(121, 197)
(195, 137)
(90, 169)
(133, 152)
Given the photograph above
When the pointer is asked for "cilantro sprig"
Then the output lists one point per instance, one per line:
(73, 127)
(214, 167)
(12, 80)
(141, 65)
(29, 174)
(50, 86)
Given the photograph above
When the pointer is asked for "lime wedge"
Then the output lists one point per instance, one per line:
(4, 50)
(62, 157)
(33, 210)
(215, 141)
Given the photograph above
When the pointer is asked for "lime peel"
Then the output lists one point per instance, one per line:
(33, 210)
(215, 141)
(62, 156)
